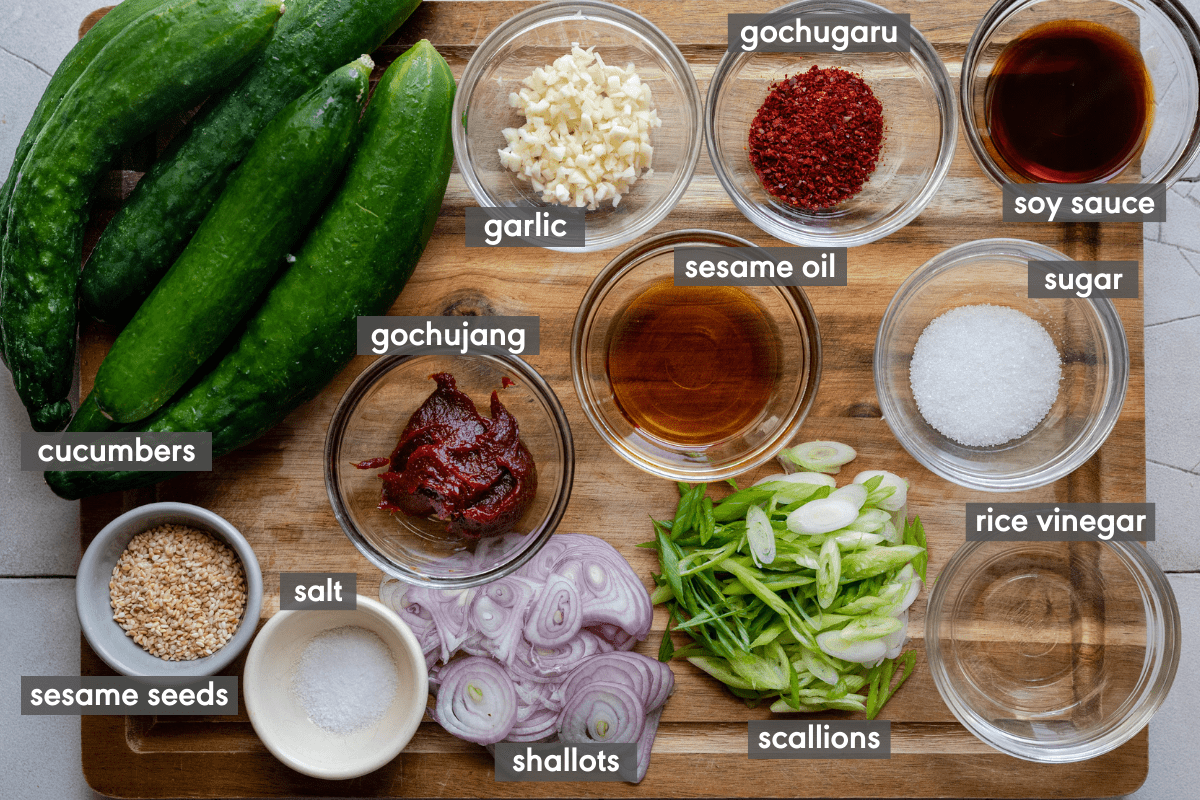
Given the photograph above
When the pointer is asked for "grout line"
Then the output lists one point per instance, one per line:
(1172, 466)
(1169, 321)
(26, 60)
(35, 577)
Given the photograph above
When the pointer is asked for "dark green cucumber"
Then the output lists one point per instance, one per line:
(163, 64)
(355, 262)
(151, 229)
(270, 200)
(69, 69)
(89, 419)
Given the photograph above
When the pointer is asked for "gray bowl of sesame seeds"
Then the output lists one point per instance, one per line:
(169, 589)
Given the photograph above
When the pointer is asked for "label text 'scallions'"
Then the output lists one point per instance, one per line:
(843, 738)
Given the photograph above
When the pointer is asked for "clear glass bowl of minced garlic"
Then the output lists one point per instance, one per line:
(583, 105)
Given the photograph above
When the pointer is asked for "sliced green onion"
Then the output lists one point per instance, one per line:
(877, 560)
(833, 643)
(822, 516)
(809, 478)
(898, 498)
(865, 629)
(857, 540)
(760, 536)
(870, 520)
(817, 666)
(793, 592)
(820, 456)
(852, 494)
(829, 571)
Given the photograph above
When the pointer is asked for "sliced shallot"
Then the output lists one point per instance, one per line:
(476, 700)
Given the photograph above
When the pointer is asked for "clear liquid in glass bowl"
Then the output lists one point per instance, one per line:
(1052, 651)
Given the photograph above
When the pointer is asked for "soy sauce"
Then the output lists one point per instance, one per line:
(692, 365)
(1069, 101)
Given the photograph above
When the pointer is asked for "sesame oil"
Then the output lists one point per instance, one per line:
(692, 365)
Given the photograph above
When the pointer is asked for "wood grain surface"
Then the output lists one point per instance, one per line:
(274, 492)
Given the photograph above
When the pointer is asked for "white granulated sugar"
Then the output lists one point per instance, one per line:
(984, 375)
(345, 679)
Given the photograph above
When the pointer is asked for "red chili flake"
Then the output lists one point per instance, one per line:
(816, 138)
(506, 382)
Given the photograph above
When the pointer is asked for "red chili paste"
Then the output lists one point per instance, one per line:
(816, 139)
(471, 472)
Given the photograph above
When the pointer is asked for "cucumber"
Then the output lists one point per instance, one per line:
(89, 419)
(151, 229)
(270, 200)
(355, 262)
(163, 64)
(71, 67)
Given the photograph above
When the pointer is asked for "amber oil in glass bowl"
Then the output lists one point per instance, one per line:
(692, 364)
(692, 383)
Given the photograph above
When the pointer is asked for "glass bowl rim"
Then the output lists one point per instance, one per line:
(774, 225)
(1164, 633)
(617, 269)
(1183, 23)
(378, 371)
(1114, 343)
(608, 13)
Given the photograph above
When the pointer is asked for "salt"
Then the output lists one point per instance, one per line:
(983, 375)
(345, 679)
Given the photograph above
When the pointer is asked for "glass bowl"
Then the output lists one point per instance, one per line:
(535, 38)
(367, 424)
(1169, 41)
(1089, 337)
(1052, 651)
(920, 131)
(795, 352)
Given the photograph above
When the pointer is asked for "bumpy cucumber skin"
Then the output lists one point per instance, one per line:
(355, 262)
(69, 70)
(164, 64)
(271, 198)
(89, 419)
(154, 225)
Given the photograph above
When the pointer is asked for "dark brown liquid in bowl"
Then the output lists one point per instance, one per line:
(1069, 101)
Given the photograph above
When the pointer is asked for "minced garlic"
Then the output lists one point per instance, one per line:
(586, 137)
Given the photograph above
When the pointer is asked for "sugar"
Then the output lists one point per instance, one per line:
(983, 375)
(345, 679)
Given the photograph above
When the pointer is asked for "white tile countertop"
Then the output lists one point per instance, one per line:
(39, 548)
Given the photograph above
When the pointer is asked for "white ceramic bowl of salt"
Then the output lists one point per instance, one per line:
(336, 694)
(1063, 430)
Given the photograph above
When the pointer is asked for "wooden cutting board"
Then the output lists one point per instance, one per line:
(274, 492)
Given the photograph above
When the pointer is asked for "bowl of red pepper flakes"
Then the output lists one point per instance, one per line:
(831, 149)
